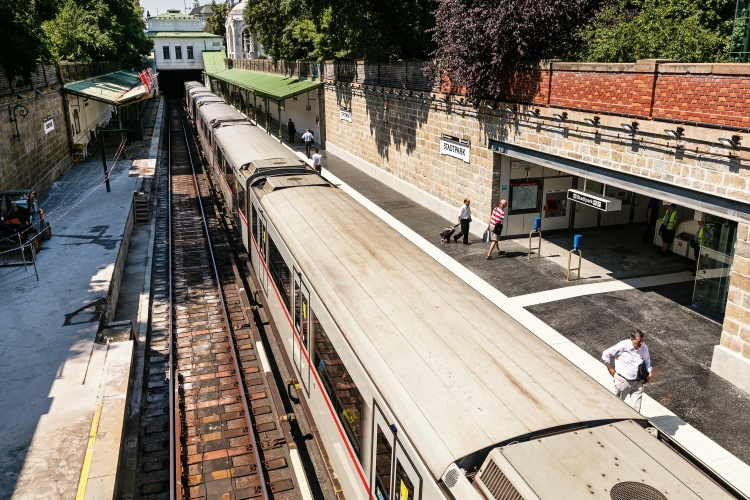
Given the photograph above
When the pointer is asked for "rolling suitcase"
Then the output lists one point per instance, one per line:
(446, 233)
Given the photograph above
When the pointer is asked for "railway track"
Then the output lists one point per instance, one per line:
(211, 425)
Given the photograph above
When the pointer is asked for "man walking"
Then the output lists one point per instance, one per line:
(666, 230)
(629, 354)
(291, 130)
(464, 218)
(652, 212)
(495, 228)
(317, 159)
(308, 138)
(701, 237)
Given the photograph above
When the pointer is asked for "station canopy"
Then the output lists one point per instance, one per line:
(118, 89)
(274, 87)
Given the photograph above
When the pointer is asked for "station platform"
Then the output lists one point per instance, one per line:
(624, 285)
(65, 393)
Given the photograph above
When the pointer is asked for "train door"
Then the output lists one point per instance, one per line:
(383, 440)
(262, 237)
(301, 347)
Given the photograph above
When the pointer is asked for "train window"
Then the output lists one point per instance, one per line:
(219, 156)
(241, 198)
(279, 272)
(404, 486)
(382, 467)
(255, 222)
(341, 389)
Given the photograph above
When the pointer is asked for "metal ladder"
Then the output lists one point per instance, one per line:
(140, 202)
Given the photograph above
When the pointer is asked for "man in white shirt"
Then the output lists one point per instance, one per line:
(317, 159)
(629, 354)
(308, 138)
(464, 218)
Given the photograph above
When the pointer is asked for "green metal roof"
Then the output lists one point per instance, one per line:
(119, 88)
(267, 85)
(180, 34)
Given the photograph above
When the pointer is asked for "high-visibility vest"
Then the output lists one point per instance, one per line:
(670, 221)
(699, 236)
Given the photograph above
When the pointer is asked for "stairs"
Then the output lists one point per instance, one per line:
(140, 201)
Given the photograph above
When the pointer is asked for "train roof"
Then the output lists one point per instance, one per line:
(459, 374)
(219, 112)
(249, 146)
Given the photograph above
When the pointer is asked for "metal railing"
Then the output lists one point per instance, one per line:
(17, 260)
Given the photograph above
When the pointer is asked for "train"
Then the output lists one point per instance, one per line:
(420, 387)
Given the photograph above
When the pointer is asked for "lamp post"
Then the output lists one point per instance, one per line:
(22, 111)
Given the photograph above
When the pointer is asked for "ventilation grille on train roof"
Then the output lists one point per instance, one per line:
(629, 490)
(497, 484)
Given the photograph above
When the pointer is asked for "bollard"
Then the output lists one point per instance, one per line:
(577, 241)
(537, 230)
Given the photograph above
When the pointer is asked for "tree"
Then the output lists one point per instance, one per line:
(216, 24)
(480, 41)
(685, 30)
(24, 42)
(99, 30)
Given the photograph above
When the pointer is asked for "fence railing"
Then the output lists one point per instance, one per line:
(17, 261)
(414, 75)
(73, 71)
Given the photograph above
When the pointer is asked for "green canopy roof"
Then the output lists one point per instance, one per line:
(118, 88)
(267, 85)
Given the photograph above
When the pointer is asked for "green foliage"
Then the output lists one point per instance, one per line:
(98, 30)
(684, 30)
(342, 29)
(216, 24)
(24, 40)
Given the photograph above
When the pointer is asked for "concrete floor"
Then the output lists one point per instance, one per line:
(680, 340)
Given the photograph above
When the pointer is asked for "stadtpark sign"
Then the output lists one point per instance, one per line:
(455, 147)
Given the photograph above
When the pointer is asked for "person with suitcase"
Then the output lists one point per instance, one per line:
(495, 228)
(464, 218)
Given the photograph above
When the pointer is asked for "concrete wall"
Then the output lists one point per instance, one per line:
(38, 158)
(122, 256)
(90, 114)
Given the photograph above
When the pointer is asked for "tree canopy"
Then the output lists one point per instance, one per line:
(23, 38)
(342, 29)
(216, 24)
(685, 30)
(478, 41)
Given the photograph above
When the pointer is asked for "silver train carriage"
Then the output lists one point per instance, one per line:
(421, 388)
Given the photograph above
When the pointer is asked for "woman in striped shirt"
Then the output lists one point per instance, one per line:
(496, 227)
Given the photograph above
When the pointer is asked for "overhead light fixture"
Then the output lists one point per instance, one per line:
(37, 92)
(593, 122)
(533, 114)
(561, 117)
(490, 105)
(20, 97)
(370, 89)
(388, 91)
(733, 143)
(675, 134)
(379, 91)
(511, 110)
(630, 127)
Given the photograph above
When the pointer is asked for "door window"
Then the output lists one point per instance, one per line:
(383, 462)
(404, 487)
(300, 314)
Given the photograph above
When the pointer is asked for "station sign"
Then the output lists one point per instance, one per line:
(603, 203)
(455, 147)
(345, 114)
(49, 125)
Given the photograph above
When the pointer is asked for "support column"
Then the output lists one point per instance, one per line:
(278, 103)
(255, 108)
(731, 359)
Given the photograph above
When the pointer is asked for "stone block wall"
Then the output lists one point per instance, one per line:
(38, 158)
(736, 332)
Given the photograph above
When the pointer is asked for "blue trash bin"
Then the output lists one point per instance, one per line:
(577, 241)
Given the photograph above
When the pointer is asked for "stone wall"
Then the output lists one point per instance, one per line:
(37, 158)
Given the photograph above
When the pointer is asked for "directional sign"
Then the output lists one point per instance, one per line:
(455, 147)
(603, 203)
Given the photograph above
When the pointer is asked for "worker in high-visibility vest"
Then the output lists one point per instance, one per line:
(667, 228)
(701, 237)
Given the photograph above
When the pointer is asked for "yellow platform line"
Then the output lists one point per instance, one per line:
(89, 452)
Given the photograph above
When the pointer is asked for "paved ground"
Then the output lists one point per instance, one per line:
(681, 341)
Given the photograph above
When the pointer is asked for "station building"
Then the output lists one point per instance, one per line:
(241, 42)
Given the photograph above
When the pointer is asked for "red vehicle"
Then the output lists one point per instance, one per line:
(20, 215)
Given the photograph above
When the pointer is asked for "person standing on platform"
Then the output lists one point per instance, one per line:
(629, 355)
(652, 212)
(464, 218)
(308, 138)
(667, 228)
(291, 130)
(701, 237)
(495, 228)
(317, 159)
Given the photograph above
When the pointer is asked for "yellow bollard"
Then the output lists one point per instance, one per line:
(577, 269)
(538, 248)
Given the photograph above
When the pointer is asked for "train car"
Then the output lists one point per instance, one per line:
(208, 120)
(192, 85)
(423, 389)
(420, 387)
(244, 153)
